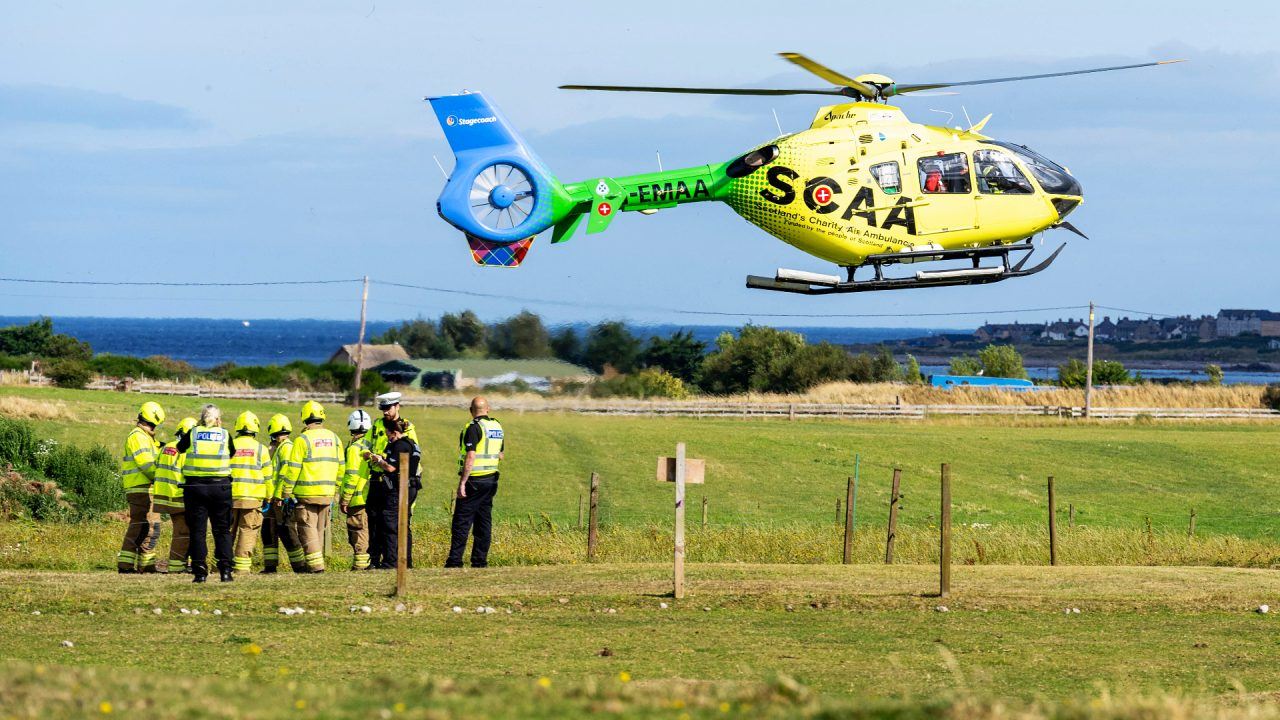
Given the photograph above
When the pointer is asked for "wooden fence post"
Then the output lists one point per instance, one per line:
(593, 517)
(1191, 528)
(704, 511)
(1071, 515)
(894, 498)
(848, 523)
(944, 547)
(402, 539)
(678, 555)
(1053, 526)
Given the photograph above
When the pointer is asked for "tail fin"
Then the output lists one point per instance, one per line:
(499, 191)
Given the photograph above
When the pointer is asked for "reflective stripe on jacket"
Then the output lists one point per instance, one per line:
(279, 461)
(355, 481)
(138, 463)
(488, 450)
(208, 455)
(250, 469)
(166, 492)
(377, 437)
(315, 465)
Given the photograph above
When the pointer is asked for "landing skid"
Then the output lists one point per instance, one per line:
(805, 283)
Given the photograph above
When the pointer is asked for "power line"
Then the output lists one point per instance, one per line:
(1137, 312)
(177, 284)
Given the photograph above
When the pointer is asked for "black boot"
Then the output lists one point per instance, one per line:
(199, 578)
(268, 571)
(226, 575)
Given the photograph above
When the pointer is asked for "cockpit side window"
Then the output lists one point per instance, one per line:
(944, 173)
(887, 177)
(998, 175)
(1053, 178)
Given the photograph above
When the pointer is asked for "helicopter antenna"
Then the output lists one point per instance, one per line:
(967, 120)
(776, 121)
(655, 152)
(442, 171)
(948, 113)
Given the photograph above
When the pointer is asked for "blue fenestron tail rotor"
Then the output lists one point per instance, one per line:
(502, 197)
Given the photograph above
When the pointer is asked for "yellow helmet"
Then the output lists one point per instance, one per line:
(151, 412)
(247, 422)
(279, 424)
(187, 425)
(312, 411)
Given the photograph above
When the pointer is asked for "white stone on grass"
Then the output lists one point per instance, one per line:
(662, 605)
(217, 612)
(1262, 609)
(68, 643)
(366, 609)
(457, 609)
(35, 612)
(157, 611)
(942, 608)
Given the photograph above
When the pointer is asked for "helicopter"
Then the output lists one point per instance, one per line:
(862, 187)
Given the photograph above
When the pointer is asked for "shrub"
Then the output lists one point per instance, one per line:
(1271, 396)
(17, 441)
(1105, 372)
(752, 361)
(965, 365)
(912, 374)
(70, 373)
(86, 483)
(1215, 374)
(647, 383)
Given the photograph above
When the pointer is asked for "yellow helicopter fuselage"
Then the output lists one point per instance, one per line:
(864, 180)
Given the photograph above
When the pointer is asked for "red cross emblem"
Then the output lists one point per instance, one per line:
(604, 209)
(822, 194)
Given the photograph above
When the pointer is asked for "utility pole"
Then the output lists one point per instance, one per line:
(1088, 371)
(364, 306)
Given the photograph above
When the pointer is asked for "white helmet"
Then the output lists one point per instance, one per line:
(359, 421)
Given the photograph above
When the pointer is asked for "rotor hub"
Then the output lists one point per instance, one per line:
(502, 196)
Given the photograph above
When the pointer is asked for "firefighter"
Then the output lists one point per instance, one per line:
(137, 472)
(250, 474)
(277, 529)
(311, 480)
(166, 495)
(480, 449)
(354, 491)
(206, 493)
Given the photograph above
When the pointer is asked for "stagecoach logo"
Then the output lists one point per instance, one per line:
(455, 120)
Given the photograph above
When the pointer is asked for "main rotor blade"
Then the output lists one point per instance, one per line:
(901, 88)
(831, 76)
(709, 91)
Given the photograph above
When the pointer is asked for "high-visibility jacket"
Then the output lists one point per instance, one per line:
(250, 471)
(209, 454)
(488, 451)
(166, 492)
(138, 463)
(377, 436)
(315, 466)
(355, 481)
(279, 461)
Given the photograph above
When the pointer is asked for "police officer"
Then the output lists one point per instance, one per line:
(250, 473)
(389, 404)
(311, 477)
(137, 472)
(206, 493)
(384, 494)
(481, 446)
(166, 495)
(354, 491)
(276, 526)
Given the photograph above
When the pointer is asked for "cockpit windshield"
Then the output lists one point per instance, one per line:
(1052, 177)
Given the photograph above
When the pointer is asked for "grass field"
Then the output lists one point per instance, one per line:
(749, 641)
(802, 637)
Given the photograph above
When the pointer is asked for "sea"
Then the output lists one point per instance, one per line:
(206, 342)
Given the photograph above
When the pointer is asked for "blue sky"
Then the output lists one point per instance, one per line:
(239, 141)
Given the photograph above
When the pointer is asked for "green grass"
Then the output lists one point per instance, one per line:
(763, 473)
(767, 640)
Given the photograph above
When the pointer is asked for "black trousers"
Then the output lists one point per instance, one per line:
(384, 527)
(208, 502)
(473, 512)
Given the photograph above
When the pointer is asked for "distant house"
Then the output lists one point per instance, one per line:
(1207, 327)
(1008, 332)
(1105, 330)
(372, 355)
(1065, 330)
(426, 374)
(1248, 322)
